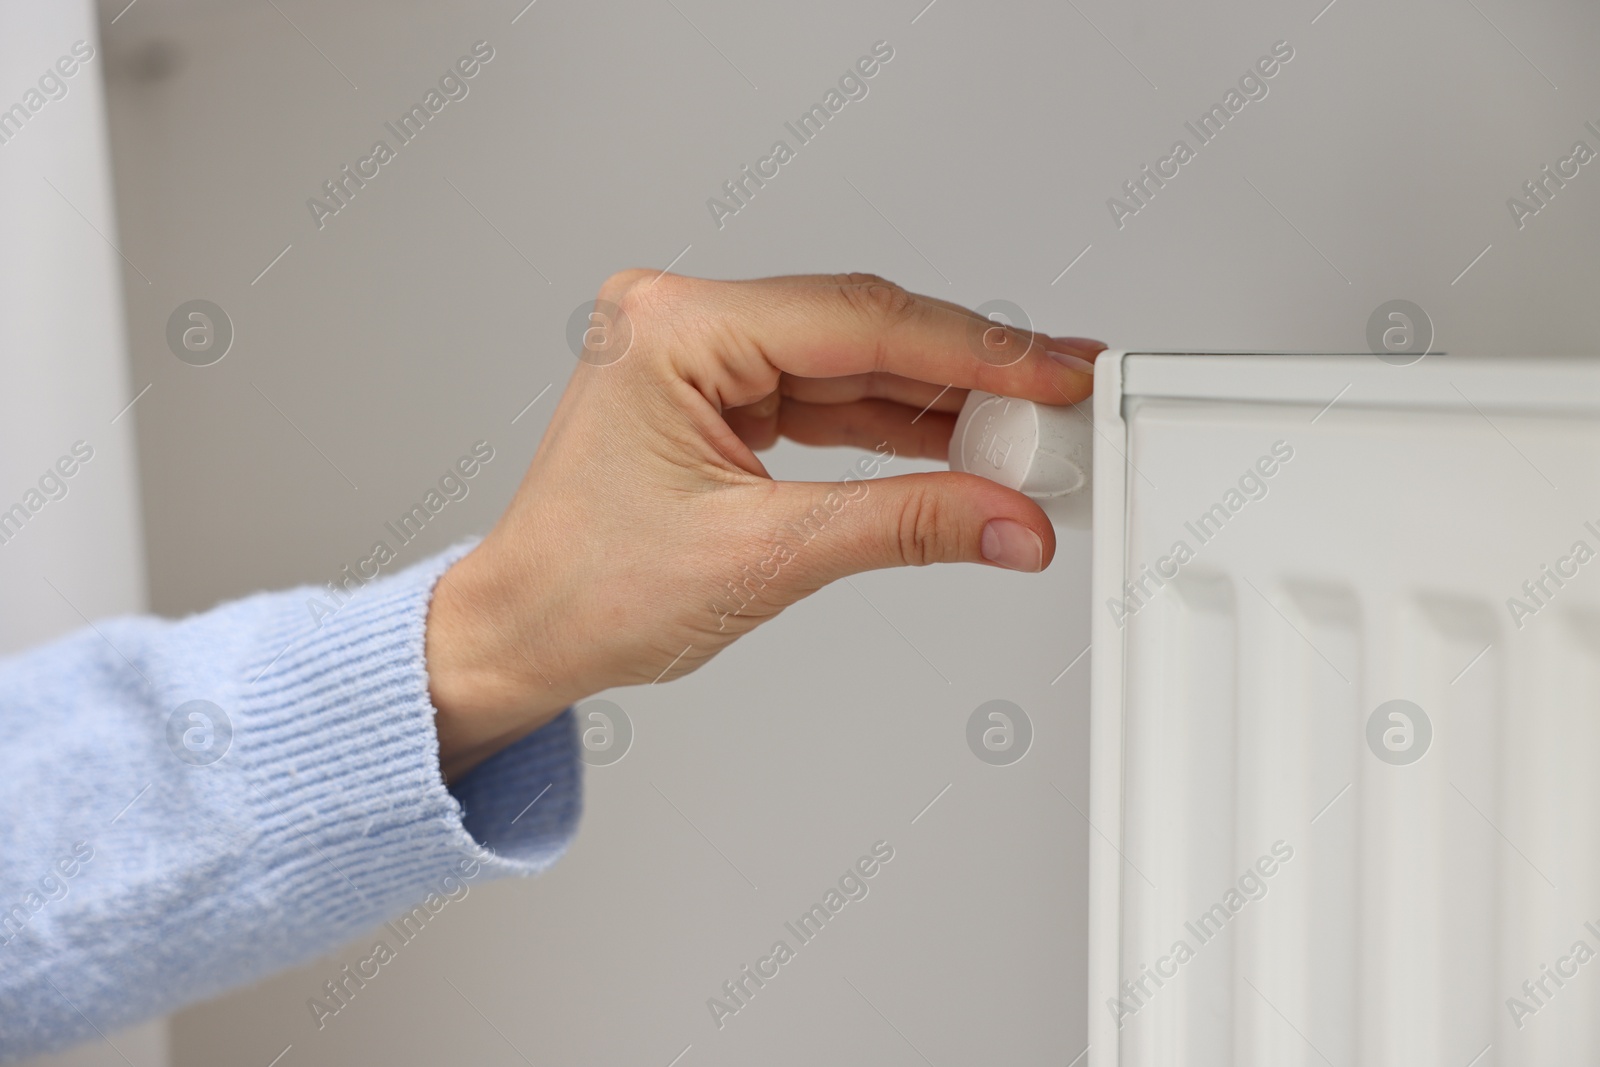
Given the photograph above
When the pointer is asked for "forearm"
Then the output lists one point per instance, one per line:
(198, 864)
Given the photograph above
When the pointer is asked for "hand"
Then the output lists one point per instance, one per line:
(647, 536)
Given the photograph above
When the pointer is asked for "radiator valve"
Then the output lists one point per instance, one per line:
(1041, 450)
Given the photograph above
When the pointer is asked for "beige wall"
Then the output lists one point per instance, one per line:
(981, 161)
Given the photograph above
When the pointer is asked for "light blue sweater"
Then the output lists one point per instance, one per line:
(139, 872)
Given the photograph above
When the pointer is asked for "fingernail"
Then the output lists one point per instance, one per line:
(1012, 545)
(1071, 359)
(1075, 352)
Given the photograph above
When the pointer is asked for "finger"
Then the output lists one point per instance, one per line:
(831, 531)
(759, 331)
(868, 424)
(1087, 347)
(852, 387)
(756, 424)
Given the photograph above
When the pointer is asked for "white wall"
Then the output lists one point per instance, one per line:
(62, 341)
(1377, 167)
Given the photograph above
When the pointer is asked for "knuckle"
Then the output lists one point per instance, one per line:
(884, 302)
(640, 293)
(622, 284)
(658, 308)
(859, 278)
(920, 530)
(767, 407)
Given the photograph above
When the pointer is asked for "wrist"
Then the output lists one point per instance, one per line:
(486, 689)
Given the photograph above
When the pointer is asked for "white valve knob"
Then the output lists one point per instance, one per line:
(1041, 450)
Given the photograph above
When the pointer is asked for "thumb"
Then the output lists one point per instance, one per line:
(839, 529)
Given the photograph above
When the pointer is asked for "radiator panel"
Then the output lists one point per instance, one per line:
(1375, 565)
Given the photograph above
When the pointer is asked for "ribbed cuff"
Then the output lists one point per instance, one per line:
(342, 758)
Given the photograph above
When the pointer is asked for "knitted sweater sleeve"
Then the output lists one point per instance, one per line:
(186, 806)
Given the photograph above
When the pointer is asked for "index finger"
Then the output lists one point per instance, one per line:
(1087, 347)
(774, 325)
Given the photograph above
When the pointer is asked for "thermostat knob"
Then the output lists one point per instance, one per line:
(1041, 450)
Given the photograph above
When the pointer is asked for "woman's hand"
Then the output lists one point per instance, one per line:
(647, 536)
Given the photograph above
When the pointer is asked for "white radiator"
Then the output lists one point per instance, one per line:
(1287, 867)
